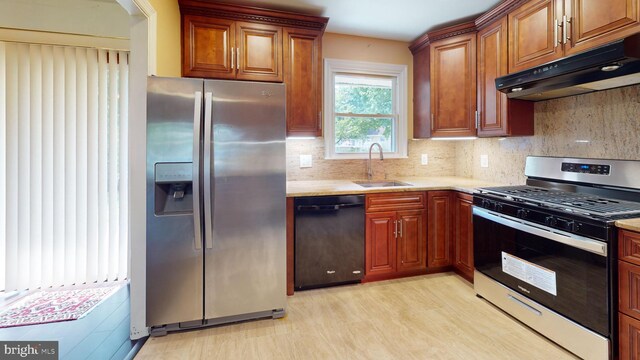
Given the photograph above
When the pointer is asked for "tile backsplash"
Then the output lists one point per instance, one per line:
(604, 124)
(441, 162)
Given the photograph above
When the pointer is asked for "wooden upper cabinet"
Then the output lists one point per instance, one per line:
(498, 115)
(224, 41)
(453, 86)
(206, 47)
(303, 77)
(545, 30)
(535, 34)
(259, 52)
(225, 49)
(421, 93)
(596, 22)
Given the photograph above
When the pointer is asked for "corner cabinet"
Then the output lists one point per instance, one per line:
(440, 229)
(395, 235)
(232, 42)
(453, 86)
(498, 115)
(463, 235)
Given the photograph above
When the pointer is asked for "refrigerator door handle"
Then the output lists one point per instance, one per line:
(208, 214)
(195, 181)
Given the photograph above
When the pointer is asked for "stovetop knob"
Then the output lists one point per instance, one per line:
(521, 213)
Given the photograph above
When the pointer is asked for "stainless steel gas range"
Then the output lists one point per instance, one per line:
(545, 252)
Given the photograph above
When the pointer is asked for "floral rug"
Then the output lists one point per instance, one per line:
(54, 305)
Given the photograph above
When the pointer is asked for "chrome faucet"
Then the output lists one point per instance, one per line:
(369, 171)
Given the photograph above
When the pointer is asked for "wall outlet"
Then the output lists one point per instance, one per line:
(424, 160)
(305, 161)
(484, 161)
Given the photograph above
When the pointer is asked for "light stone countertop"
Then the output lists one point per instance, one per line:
(342, 187)
(629, 224)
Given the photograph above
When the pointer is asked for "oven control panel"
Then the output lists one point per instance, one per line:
(596, 169)
(543, 216)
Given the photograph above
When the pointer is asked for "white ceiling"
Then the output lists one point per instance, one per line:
(402, 20)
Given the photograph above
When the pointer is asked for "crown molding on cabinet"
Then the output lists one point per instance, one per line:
(497, 12)
(252, 14)
(479, 23)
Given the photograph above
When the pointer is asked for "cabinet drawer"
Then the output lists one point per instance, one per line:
(629, 246)
(395, 201)
(629, 288)
(629, 335)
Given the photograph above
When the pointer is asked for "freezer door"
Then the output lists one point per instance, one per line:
(245, 267)
(174, 240)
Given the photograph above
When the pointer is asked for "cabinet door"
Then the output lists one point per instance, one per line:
(453, 86)
(422, 94)
(206, 47)
(596, 22)
(629, 288)
(439, 244)
(534, 34)
(259, 52)
(303, 77)
(412, 240)
(380, 243)
(463, 235)
(629, 246)
(492, 63)
(629, 335)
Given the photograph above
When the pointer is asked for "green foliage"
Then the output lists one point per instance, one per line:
(356, 128)
(362, 100)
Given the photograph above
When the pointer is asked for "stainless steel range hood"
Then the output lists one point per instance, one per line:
(613, 65)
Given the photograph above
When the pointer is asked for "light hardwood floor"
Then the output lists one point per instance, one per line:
(426, 317)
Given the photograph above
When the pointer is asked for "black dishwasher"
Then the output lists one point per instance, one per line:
(329, 240)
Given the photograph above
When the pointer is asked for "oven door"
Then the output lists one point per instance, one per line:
(564, 272)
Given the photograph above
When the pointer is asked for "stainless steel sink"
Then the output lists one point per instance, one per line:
(387, 183)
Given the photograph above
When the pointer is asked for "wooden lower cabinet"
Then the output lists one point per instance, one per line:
(439, 233)
(395, 240)
(380, 245)
(628, 295)
(629, 337)
(412, 245)
(463, 235)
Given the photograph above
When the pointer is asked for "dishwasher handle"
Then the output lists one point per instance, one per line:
(334, 207)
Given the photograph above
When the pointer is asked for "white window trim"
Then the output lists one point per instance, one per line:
(332, 66)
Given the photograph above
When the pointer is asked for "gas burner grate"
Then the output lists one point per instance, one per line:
(584, 203)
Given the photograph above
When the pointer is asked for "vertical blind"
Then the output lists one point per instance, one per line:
(63, 165)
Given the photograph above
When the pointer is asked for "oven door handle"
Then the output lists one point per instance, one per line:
(576, 241)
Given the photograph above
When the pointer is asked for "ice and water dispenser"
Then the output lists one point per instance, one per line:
(173, 188)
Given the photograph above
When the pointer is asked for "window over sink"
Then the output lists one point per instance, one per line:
(365, 103)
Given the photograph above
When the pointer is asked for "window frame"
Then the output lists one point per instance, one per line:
(397, 72)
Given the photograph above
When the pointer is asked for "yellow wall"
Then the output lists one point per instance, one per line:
(168, 37)
(348, 47)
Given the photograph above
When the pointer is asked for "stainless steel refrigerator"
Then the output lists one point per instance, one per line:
(216, 202)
